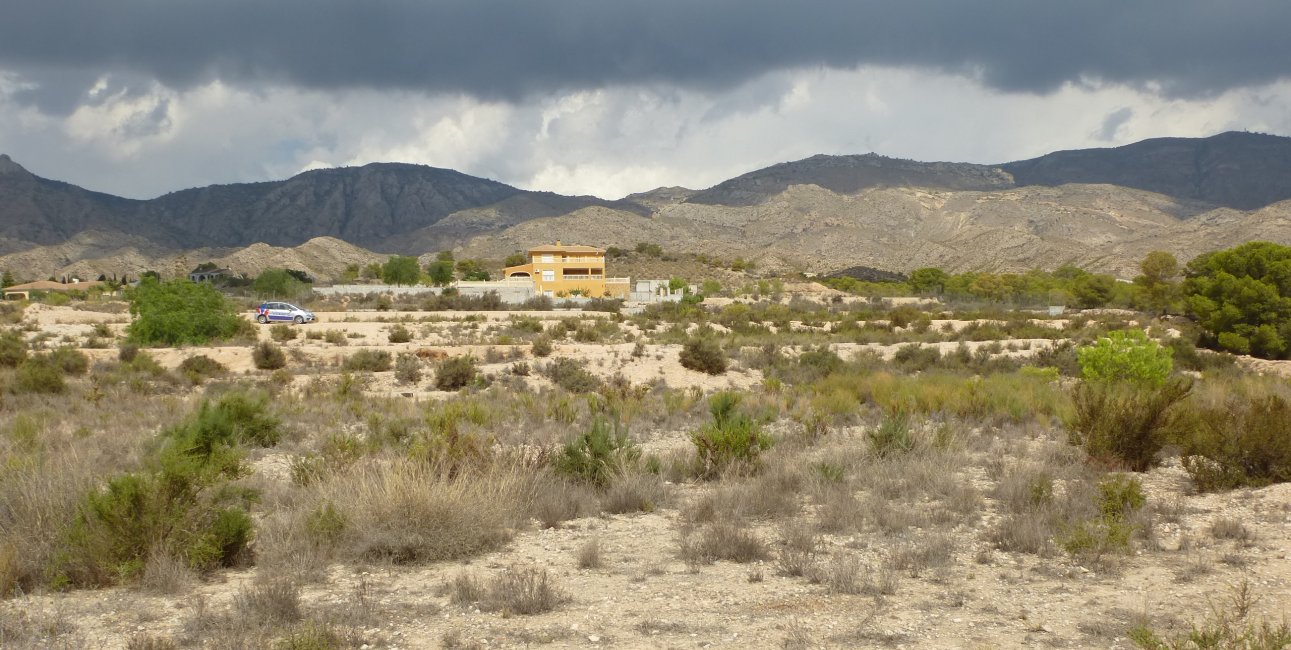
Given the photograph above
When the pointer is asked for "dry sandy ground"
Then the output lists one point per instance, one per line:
(646, 597)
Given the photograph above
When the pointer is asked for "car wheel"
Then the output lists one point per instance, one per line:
(262, 319)
(300, 320)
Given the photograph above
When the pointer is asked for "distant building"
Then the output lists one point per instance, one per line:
(23, 291)
(206, 275)
(558, 271)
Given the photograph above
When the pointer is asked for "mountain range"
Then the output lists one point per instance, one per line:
(1101, 208)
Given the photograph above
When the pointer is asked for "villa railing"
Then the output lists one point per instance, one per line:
(618, 280)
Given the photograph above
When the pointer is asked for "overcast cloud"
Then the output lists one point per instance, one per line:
(139, 97)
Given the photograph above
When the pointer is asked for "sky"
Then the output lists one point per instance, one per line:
(607, 97)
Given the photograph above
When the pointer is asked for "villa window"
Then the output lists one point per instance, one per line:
(548, 259)
(548, 275)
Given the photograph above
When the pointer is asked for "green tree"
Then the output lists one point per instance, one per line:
(350, 274)
(440, 271)
(400, 269)
(1127, 355)
(1092, 291)
(1158, 281)
(472, 270)
(928, 280)
(516, 259)
(180, 312)
(6, 280)
(1241, 297)
(277, 283)
(371, 271)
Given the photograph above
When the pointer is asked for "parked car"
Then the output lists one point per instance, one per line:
(282, 312)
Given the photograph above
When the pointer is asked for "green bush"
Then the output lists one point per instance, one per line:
(39, 374)
(407, 369)
(1119, 497)
(70, 360)
(731, 438)
(541, 346)
(1125, 356)
(455, 373)
(400, 334)
(892, 436)
(1245, 442)
(283, 333)
(572, 376)
(237, 418)
(1124, 423)
(198, 367)
(180, 504)
(268, 356)
(13, 350)
(705, 355)
(597, 455)
(179, 312)
(369, 360)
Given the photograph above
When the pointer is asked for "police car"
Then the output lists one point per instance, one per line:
(282, 312)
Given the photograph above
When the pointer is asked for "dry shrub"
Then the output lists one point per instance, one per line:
(927, 552)
(553, 501)
(846, 574)
(165, 574)
(403, 512)
(144, 641)
(589, 555)
(1246, 441)
(798, 550)
(634, 493)
(271, 604)
(722, 541)
(1125, 423)
(520, 591)
(268, 356)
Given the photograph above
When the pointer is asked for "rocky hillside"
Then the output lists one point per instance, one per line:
(810, 228)
(1100, 208)
(848, 175)
(376, 206)
(1236, 170)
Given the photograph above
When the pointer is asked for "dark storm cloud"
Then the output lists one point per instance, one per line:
(510, 48)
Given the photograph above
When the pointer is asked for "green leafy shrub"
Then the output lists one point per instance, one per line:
(283, 333)
(705, 355)
(400, 334)
(597, 455)
(236, 418)
(335, 337)
(13, 350)
(407, 369)
(70, 360)
(368, 360)
(181, 503)
(268, 356)
(179, 312)
(541, 346)
(1119, 497)
(1244, 442)
(127, 352)
(39, 374)
(455, 373)
(572, 376)
(1125, 356)
(199, 367)
(1124, 423)
(892, 436)
(732, 437)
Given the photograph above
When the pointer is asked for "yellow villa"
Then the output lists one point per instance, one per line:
(561, 270)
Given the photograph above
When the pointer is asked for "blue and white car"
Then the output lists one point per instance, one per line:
(283, 312)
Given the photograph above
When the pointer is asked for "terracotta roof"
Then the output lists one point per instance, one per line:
(46, 285)
(558, 248)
